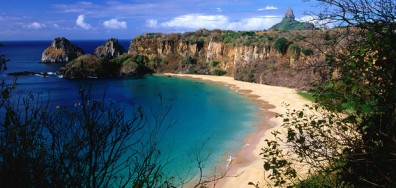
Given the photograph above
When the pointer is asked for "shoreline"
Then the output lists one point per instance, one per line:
(248, 164)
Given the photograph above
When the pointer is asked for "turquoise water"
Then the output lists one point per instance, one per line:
(203, 112)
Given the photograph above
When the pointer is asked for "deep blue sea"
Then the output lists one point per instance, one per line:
(203, 111)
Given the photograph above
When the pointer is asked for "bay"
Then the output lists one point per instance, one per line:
(204, 112)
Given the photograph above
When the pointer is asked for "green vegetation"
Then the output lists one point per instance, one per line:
(306, 95)
(295, 51)
(219, 72)
(281, 44)
(288, 24)
(348, 139)
(307, 51)
(215, 63)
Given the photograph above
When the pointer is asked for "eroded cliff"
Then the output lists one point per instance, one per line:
(247, 56)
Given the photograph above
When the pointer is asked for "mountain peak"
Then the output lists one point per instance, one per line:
(289, 14)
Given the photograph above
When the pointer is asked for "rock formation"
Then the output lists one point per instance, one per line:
(289, 23)
(246, 56)
(88, 66)
(111, 49)
(61, 50)
(289, 14)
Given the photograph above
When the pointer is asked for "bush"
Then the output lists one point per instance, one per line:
(295, 51)
(219, 72)
(215, 63)
(281, 44)
(307, 51)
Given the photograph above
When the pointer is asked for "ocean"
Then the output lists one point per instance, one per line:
(203, 112)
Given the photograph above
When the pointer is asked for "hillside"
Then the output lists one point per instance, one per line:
(289, 23)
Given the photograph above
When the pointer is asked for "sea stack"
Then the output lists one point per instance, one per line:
(111, 49)
(61, 50)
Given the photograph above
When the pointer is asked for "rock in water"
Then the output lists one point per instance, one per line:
(61, 50)
(289, 14)
(110, 50)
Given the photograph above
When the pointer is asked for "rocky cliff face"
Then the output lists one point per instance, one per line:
(111, 49)
(61, 50)
(243, 55)
(161, 48)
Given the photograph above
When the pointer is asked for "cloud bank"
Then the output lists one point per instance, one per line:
(197, 21)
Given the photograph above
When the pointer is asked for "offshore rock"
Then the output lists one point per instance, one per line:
(88, 66)
(61, 50)
(111, 49)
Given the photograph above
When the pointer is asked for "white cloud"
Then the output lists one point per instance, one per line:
(219, 10)
(325, 23)
(81, 23)
(114, 24)
(151, 23)
(196, 21)
(36, 25)
(268, 8)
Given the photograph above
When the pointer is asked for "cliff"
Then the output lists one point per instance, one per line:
(111, 49)
(61, 50)
(247, 56)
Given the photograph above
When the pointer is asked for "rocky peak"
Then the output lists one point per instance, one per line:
(111, 49)
(61, 50)
(289, 14)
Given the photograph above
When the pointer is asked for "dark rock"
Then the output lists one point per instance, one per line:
(61, 50)
(28, 73)
(289, 14)
(88, 66)
(111, 49)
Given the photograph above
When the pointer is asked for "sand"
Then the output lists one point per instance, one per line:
(271, 99)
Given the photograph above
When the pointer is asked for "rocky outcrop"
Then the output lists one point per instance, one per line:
(289, 14)
(289, 23)
(111, 49)
(61, 50)
(89, 66)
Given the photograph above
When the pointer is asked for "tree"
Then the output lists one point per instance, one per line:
(281, 44)
(360, 90)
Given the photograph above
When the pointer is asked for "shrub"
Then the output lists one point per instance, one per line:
(122, 58)
(295, 51)
(215, 63)
(281, 44)
(307, 51)
(219, 72)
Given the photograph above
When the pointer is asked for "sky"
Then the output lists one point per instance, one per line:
(124, 19)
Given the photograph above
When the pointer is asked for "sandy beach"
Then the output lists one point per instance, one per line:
(248, 163)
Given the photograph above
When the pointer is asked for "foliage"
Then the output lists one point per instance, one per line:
(306, 95)
(317, 138)
(281, 44)
(219, 72)
(122, 58)
(92, 144)
(295, 51)
(307, 51)
(357, 147)
(215, 63)
(288, 24)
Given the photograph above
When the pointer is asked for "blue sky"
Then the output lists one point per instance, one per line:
(124, 19)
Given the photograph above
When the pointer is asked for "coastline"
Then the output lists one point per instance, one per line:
(248, 164)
